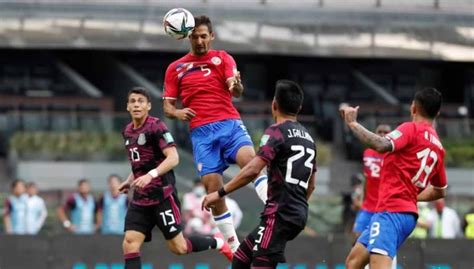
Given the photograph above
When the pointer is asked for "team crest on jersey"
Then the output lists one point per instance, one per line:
(264, 140)
(216, 60)
(141, 139)
(395, 134)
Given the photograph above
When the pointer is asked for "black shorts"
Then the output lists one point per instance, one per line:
(166, 215)
(270, 238)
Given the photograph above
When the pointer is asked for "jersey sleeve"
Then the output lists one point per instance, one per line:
(270, 144)
(439, 180)
(401, 136)
(163, 135)
(70, 203)
(8, 207)
(230, 67)
(170, 90)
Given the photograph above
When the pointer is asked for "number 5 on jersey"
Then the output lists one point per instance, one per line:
(308, 163)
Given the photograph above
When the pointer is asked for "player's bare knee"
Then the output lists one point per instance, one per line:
(212, 182)
(130, 244)
(179, 249)
(351, 262)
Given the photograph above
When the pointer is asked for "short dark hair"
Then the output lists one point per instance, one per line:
(428, 102)
(16, 182)
(82, 181)
(203, 20)
(139, 90)
(289, 96)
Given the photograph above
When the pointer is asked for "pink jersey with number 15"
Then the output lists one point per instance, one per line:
(416, 161)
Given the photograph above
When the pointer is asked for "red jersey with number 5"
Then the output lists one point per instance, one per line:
(372, 170)
(416, 161)
(200, 83)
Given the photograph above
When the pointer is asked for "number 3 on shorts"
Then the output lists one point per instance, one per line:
(261, 229)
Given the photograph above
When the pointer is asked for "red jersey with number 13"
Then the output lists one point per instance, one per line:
(373, 162)
(200, 83)
(416, 161)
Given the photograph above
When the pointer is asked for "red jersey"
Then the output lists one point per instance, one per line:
(372, 168)
(200, 83)
(416, 160)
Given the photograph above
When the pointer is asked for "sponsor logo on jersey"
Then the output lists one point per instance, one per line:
(172, 229)
(141, 139)
(395, 134)
(264, 140)
(185, 66)
(168, 138)
(216, 60)
(127, 142)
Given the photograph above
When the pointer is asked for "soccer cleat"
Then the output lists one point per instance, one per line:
(226, 251)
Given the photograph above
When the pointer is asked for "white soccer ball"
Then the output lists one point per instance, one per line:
(178, 23)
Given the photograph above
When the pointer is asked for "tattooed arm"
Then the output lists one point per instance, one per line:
(374, 141)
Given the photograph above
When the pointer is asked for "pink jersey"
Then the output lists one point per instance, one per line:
(200, 83)
(416, 161)
(372, 168)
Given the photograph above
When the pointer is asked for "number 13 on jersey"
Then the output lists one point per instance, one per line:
(424, 167)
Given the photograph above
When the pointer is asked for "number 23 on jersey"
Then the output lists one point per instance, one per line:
(302, 154)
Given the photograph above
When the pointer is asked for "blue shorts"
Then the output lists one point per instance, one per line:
(215, 145)
(362, 220)
(387, 232)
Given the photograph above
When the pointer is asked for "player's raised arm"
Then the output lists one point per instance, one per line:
(372, 140)
(235, 85)
(431, 193)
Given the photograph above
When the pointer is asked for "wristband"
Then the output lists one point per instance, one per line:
(153, 173)
(221, 192)
(66, 224)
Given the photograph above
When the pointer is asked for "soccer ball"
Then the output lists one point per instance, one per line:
(178, 23)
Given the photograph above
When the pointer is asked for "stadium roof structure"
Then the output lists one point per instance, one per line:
(420, 29)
